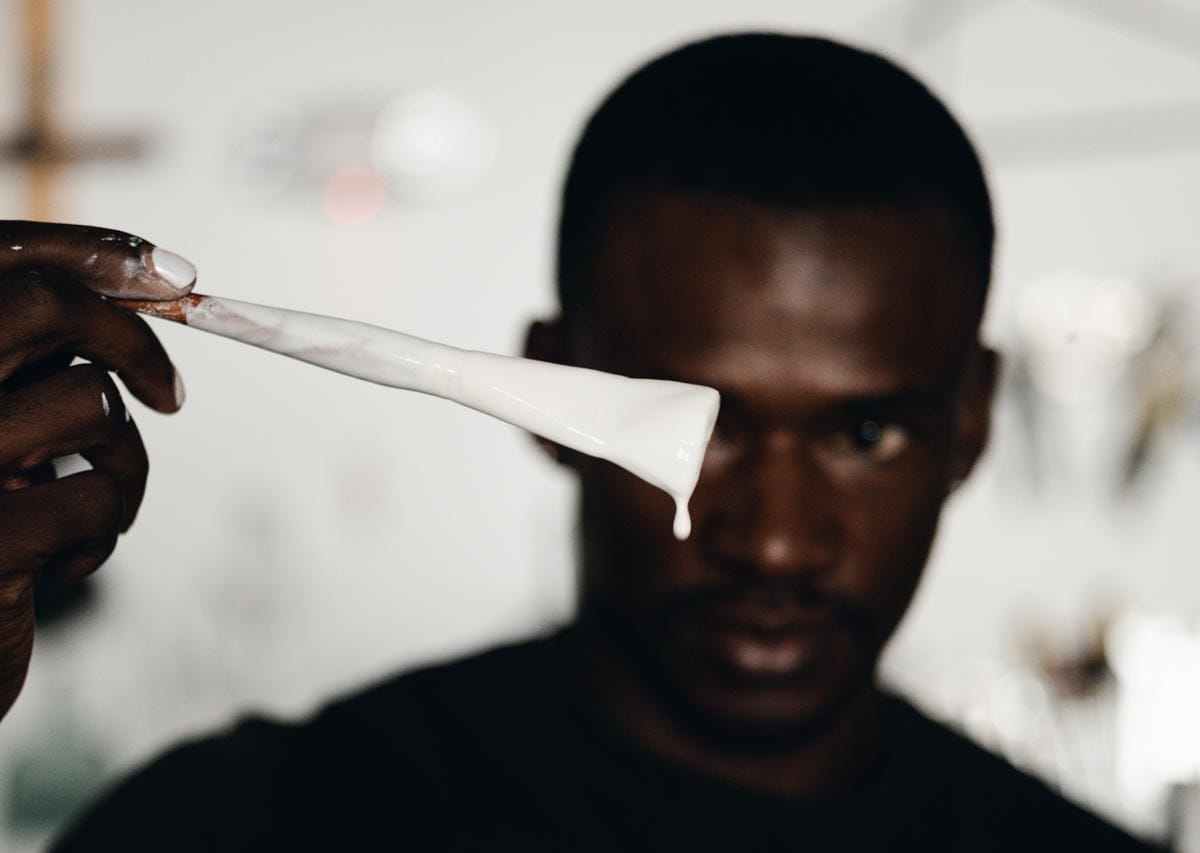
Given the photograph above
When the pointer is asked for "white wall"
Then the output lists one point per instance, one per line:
(303, 533)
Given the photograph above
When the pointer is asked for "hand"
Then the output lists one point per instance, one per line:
(52, 282)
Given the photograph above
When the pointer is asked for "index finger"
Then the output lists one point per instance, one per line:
(46, 314)
(111, 263)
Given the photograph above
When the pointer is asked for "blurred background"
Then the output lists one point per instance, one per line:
(398, 162)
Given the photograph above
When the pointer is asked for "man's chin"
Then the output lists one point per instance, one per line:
(757, 718)
(753, 717)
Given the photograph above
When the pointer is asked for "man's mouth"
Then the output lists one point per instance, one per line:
(764, 643)
(767, 636)
(755, 653)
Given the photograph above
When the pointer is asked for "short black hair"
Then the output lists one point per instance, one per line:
(795, 122)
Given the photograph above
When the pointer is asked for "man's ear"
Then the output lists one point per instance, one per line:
(975, 410)
(545, 340)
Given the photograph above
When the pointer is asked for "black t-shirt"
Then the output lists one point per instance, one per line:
(495, 753)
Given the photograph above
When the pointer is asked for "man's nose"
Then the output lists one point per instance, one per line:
(775, 513)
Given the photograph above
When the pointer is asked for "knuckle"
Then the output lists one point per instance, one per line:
(95, 383)
(99, 397)
(16, 594)
(39, 296)
(101, 496)
(145, 346)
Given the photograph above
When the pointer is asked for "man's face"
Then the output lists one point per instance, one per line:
(853, 397)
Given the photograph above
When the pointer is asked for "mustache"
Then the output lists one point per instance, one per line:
(748, 599)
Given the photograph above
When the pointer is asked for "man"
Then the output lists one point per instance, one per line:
(805, 228)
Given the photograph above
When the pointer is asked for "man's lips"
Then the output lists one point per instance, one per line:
(765, 634)
(766, 644)
(753, 653)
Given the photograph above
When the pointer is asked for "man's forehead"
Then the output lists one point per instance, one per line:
(701, 272)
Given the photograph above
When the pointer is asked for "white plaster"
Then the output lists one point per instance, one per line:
(656, 429)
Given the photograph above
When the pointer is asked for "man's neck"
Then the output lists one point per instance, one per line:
(828, 762)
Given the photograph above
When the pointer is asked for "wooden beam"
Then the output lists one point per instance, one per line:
(39, 139)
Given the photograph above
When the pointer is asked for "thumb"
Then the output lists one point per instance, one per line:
(111, 263)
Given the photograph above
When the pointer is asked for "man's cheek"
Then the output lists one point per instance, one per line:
(893, 550)
(628, 528)
(635, 518)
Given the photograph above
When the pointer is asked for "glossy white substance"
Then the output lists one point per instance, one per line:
(655, 429)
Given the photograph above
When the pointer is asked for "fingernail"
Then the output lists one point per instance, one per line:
(175, 270)
(180, 394)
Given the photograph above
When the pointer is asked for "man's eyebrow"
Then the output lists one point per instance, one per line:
(899, 400)
(909, 402)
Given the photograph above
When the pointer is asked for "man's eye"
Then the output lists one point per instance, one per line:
(876, 440)
(725, 437)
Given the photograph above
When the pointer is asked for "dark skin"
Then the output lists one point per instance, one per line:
(52, 282)
(855, 396)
